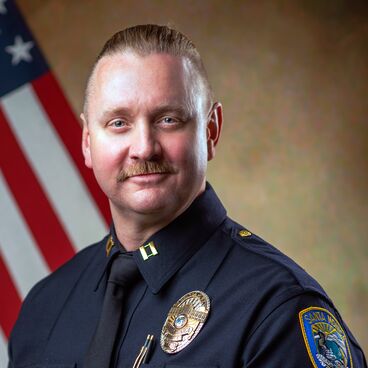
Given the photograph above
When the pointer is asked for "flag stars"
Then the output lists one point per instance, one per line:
(20, 51)
(3, 9)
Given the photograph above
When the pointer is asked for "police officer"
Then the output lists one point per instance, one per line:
(206, 292)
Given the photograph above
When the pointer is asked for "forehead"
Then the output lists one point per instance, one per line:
(127, 78)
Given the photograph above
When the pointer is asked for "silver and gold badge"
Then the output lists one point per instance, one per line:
(184, 321)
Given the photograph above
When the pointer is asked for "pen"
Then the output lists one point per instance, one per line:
(148, 350)
(144, 352)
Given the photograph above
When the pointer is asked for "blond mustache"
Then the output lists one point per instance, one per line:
(145, 167)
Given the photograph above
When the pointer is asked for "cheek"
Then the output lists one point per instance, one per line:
(105, 154)
(187, 150)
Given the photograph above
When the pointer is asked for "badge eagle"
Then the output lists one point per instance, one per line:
(325, 339)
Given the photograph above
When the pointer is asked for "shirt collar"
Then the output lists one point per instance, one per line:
(111, 246)
(166, 251)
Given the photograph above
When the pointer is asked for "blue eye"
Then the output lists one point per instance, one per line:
(168, 120)
(118, 123)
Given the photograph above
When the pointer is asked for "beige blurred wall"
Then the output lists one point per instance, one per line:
(292, 75)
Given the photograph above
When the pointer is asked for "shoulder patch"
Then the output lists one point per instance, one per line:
(325, 339)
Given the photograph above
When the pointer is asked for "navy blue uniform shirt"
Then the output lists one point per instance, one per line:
(265, 310)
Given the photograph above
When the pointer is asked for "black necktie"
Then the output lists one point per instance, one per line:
(124, 273)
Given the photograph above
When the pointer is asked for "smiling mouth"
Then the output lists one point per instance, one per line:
(150, 173)
(145, 168)
(147, 175)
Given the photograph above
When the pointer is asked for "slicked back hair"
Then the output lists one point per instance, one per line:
(149, 39)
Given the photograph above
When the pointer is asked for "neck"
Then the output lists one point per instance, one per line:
(132, 233)
(133, 229)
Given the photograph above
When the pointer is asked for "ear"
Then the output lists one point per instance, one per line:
(86, 144)
(214, 127)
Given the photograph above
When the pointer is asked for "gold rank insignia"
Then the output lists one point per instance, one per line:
(148, 250)
(109, 245)
(184, 321)
(243, 233)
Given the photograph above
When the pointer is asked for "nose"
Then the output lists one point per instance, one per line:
(144, 143)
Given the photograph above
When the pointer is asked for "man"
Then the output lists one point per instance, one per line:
(205, 292)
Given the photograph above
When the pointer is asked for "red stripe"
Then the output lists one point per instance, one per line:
(10, 300)
(65, 123)
(48, 232)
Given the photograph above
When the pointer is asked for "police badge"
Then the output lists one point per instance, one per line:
(325, 339)
(184, 321)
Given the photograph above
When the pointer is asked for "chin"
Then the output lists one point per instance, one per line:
(151, 202)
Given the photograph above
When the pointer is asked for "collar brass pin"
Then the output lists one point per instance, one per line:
(109, 245)
(184, 321)
(148, 250)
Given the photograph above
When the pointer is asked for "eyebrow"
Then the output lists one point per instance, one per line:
(185, 112)
(113, 112)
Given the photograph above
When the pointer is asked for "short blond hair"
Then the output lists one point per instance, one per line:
(149, 39)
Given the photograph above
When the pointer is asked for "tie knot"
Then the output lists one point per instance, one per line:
(124, 271)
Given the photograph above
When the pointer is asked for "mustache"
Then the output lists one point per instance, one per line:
(145, 167)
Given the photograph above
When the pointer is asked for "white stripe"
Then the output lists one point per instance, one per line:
(54, 167)
(3, 350)
(25, 264)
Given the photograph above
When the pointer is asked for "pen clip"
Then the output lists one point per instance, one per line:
(144, 352)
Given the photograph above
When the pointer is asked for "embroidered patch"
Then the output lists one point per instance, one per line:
(325, 339)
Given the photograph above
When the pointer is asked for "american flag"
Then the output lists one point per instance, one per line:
(50, 204)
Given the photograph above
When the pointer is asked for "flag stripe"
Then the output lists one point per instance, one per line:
(9, 300)
(54, 168)
(62, 117)
(3, 349)
(26, 264)
(36, 209)
(50, 203)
